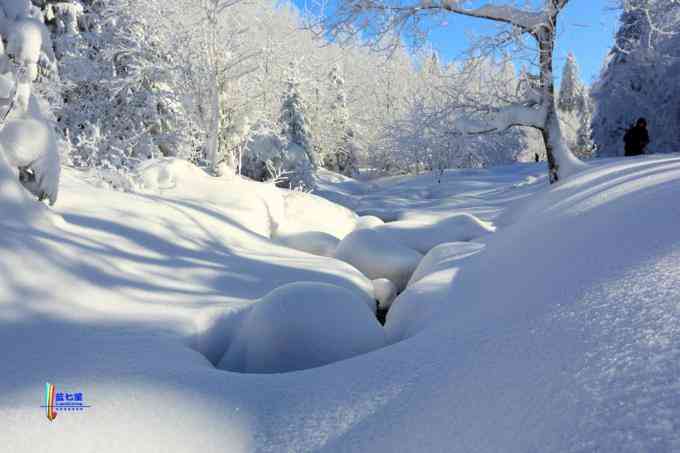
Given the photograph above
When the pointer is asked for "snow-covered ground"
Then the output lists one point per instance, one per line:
(556, 329)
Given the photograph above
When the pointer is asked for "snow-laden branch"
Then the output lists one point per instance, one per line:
(503, 118)
(525, 20)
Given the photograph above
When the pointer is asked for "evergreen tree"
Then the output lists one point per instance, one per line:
(293, 119)
(571, 96)
(574, 108)
(342, 157)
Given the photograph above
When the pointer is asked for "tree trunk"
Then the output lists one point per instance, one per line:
(213, 123)
(551, 129)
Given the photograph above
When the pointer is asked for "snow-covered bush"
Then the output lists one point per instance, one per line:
(303, 325)
(28, 141)
(269, 157)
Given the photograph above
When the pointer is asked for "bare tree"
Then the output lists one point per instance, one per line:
(380, 19)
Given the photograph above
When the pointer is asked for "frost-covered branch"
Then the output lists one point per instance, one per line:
(503, 118)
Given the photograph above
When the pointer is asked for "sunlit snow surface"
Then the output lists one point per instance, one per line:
(560, 334)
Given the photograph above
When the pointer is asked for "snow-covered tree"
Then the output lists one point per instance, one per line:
(295, 126)
(27, 139)
(575, 109)
(638, 78)
(341, 157)
(376, 19)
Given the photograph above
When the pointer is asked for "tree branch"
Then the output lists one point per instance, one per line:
(525, 20)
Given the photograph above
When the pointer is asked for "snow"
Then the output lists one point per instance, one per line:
(31, 143)
(441, 256)
(25, 41)
(423, 236)
(385, 292)
(560, 334)
(305, 212)
(14, 9)
(303, 325)
(369, 221)
(378, 257)
(314, 242)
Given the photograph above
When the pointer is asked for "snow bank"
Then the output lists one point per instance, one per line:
(307, 212)
(385, 292)
(303, 325)
(422, 236)
(441, 257)
(378, 257)
(314, 242)
(417, 307)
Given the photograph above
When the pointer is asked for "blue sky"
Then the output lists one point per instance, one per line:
(586, 28)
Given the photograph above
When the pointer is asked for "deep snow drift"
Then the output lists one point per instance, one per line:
(558, 332)
(303, 325)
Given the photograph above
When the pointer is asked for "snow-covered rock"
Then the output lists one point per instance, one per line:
(385, 292)
(314, 242)
(441, 257)
(303, 325)
(378, 257)
(422, 236)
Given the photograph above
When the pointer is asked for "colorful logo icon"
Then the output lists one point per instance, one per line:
(62, 401)
(50, 395)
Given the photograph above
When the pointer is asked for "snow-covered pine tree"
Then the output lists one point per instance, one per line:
(342, 157)
(571, 88)
(295, 126)
(574, 108)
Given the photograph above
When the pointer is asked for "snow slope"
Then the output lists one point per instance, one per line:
(560, 335)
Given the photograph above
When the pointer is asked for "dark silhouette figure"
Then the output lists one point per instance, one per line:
(536, 158)
(636, 138)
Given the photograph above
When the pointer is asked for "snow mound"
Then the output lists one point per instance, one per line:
(164, 173)
(31, 143)
(441, 257)
(385, 292)
(307, 212)
(415, 309)
(314, 242)
(369, 221)
(422, 236)
(303, 325)
(378, 257)
(18, 210)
